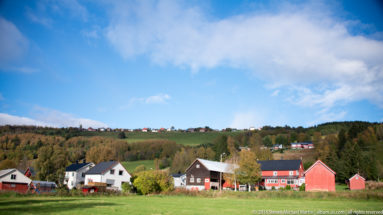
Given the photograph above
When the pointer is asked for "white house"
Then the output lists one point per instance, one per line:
(179, 180)
(75, 174)
(112, 173)
(14, 180)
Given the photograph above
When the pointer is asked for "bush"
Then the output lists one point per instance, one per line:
(374, 185)
(288, 187)
(272, 188)
(126, 188)
(154, 181)
(302, 187)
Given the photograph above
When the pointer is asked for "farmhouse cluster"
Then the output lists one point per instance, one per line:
(200, 175)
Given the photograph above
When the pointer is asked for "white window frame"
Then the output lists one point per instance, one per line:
(192, 180)
(198, 180)
(275, 173)
(283, 181)
(197, 166)
(13, 177)
(111, 172)
(291, 173)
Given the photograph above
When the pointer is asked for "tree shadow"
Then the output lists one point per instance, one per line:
(49, 206)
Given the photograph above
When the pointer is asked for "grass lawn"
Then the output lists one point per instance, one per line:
(173, 205)
(131, 165)
(183, 138)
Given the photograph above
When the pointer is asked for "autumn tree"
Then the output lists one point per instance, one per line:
(248, 171)
(100, 153)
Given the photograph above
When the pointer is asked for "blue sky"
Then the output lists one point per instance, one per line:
(134, 64)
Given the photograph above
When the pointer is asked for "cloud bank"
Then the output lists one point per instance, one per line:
(50, 118)
(287, 48)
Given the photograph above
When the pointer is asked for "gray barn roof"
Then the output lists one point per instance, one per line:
(101, 168)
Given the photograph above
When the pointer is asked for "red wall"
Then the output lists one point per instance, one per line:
(357, 184)
(319, 178)
(20, 188)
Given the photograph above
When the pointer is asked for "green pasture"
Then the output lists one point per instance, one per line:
(195, 138)
(179, 205)
(131, 165)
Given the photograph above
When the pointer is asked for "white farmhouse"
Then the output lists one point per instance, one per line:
(75, 174)
(112, 173)
(14, 180)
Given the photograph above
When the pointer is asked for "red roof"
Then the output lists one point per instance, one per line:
(320, 162)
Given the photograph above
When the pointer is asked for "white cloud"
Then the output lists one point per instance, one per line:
(247, 119)
(6, 119)
(291, 47)
(12, 42)
(160, 98)
(157, 99)
(47, 22)
(49, 117)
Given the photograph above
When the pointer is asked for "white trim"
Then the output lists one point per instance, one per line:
(356, 175)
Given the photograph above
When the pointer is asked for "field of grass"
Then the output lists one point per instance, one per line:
(183, 138)
(131, 165)
(176, 205)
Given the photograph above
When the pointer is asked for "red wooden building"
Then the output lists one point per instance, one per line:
(14, 180)
(356, 182)
(280, 173)
(320, 177)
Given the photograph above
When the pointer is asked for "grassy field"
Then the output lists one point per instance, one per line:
(131, 165)
(175, 205)
(195, 138)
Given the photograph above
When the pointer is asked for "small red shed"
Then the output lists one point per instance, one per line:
(320, 177)
(356, 182)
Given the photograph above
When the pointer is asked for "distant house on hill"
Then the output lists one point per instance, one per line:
(110, 173)
(302, 145)
(14, 180)
(75, 174)
(320, 177)
(145, 130)
(280, 173)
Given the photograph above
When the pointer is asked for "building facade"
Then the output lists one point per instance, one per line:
(14, 180)
(75, 174)
(320, 177)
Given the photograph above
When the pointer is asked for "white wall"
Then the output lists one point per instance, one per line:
(74, 178)
(115, 180)
(20, 178)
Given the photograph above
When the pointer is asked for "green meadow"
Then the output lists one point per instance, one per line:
(131, 165)
(183, 138)
(158, 204)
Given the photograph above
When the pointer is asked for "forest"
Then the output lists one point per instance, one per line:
(347, 147)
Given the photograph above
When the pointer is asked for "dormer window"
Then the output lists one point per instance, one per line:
(291, 173)
(112, 171)
(197, 166)
(275, 173)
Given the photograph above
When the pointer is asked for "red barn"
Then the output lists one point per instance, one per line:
(14, 180)
(320, 177)
(356, 182)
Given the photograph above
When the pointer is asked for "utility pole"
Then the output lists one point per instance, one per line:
(220, 176)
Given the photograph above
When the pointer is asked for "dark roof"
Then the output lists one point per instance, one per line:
(177, 175)
(274, 165)
(101, 167)
(75, 166)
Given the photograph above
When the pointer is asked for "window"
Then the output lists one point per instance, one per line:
(275, 173)
(112, 171)
(197, 166)
(291, 173)
(297, 173)
(13, 177)
(13, 185)
(191, 180)
(71, 183)
(120, 172)
(290, 181)
(283, 180)
(83, 174)
(272, 181)
(72, 173)
(198, 180)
